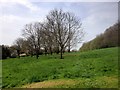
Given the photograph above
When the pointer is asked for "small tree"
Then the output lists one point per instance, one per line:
(18, 45)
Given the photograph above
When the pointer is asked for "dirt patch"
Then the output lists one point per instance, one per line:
(50, 83)
(103, 82)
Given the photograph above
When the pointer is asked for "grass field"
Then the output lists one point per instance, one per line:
(91, 69)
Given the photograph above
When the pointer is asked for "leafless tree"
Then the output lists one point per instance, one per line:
(75, 30)
(30, 46)
(18, 45)
(66, 28)
(60, 31)
(32, 32)
(48, 37)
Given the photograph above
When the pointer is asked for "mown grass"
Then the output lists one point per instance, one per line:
(85, 68)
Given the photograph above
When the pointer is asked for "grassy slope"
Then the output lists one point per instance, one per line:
(98, 68)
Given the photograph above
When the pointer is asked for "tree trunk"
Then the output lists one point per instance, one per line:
(69, 37)
(69, 46)
(45, 51)
(69, 50)
(37, 54)
(18, 52)
(31, 53)
(51, 53)
(50, 50)
(57, 50)
(61, 52)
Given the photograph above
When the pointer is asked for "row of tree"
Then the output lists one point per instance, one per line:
(108, 39)
(59, 32)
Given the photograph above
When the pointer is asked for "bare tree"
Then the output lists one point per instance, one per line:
(75, 31)
(33, 33)
(61, 30)
(67, 29)
(30, 46)
(57, 20)
(18, 45)
(48, 36)
(51, 33)
(45, 38)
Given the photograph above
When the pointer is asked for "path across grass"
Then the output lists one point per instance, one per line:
(97, 68)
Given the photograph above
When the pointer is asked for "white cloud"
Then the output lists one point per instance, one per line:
(74, 0)
(11, 27)
(98, 22)
(11, 24)
(95, 21)
(25, 3)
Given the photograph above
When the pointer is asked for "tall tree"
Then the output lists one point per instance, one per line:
(64, 28)
(33, 33)
(75, 31)
(48, 36)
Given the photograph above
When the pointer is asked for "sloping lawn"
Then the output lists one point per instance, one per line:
(97, 68)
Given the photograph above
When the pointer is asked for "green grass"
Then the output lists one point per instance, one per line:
(87, 69)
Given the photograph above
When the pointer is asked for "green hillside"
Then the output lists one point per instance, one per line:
(97, 68)
(105, 40)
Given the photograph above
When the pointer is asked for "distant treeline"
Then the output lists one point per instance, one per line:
(108, 39)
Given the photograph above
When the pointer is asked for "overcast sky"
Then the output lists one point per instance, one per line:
(95, 16)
